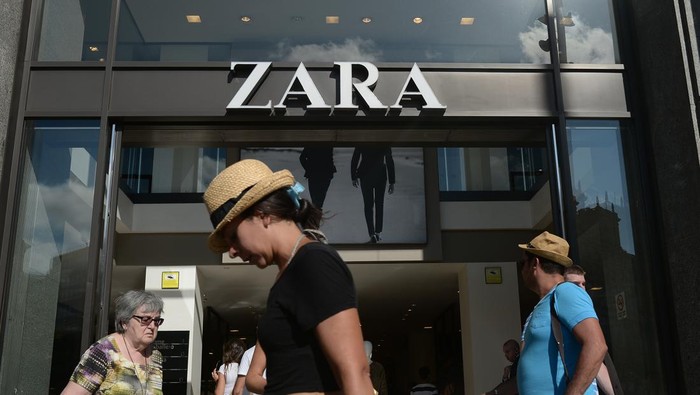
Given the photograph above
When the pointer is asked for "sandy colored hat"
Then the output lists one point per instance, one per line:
(549, 246)
(236, 189)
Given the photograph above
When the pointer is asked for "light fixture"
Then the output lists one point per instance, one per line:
(466, 21)
(297, 18)
(595, 289)
(246, 19)
(93, 49)
(234, 330)
(417, 20)
(366, 20)
(567, 20)
(428, 327)
(332, 19)
(194, 19)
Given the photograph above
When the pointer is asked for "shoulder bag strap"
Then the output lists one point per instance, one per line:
(556, 330)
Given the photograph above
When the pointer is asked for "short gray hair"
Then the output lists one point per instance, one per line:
(126, 305)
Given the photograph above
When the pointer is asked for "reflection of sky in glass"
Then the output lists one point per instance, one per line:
(598, 172)
(58, 191)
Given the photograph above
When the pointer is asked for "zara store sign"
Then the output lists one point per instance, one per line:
(301, 86)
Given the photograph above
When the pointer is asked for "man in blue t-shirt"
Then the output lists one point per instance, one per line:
(540, 369)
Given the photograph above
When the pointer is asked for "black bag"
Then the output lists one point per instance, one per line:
(508, 387)
(612, 372)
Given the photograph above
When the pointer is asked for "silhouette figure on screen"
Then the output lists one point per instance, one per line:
(370, 167)
(318, 169)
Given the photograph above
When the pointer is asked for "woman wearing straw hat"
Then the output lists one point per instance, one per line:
(309, 338)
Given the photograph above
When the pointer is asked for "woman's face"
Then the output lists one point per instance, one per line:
(140, 333)
(246, 239)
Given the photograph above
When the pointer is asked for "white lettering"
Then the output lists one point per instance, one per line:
(308, 89)
(363, 87)
(422, 90)
(249, 86)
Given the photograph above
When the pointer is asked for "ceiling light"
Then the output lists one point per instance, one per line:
(194, 19)
(234, 330)
(93, 49)
(466, 21)
(297, 19)
(417, 20)
(366, 20)
(332, 19)
(246, 19)
(428, 327)
(595, 289)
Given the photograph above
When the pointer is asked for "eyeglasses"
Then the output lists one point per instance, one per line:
(146, 320)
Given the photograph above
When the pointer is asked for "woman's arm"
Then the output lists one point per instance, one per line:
(254, 380)
(74, 389)
(340, 337)
(220, 384)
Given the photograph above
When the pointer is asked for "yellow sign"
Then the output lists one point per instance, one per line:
(170, 280)
(493, 275)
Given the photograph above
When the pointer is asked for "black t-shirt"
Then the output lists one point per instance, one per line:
(315, 285)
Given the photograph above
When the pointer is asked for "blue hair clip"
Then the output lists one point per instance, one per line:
(294, 192)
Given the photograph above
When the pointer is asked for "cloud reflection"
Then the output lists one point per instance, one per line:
(352, 49)
(584, 44)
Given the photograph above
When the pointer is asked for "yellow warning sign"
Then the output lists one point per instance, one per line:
(170, 280)
(493, 275)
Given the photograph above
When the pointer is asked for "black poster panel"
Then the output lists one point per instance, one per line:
(174, 345)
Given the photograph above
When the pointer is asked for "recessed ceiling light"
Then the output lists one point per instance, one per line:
(297, 19)
(233, 330)
(466, 21)
(246, 19)
(417, 20)
(93, 49)
(194, 19)
(366, 20)
(332, 19)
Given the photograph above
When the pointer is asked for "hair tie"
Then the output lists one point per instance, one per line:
(294, 192)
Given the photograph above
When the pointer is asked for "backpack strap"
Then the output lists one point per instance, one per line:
(558, 338)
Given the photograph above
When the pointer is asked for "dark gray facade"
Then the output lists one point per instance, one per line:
(657, 90)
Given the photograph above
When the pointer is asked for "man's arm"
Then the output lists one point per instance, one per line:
(254, 380)
(593, 349)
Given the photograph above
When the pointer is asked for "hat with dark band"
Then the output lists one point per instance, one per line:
(549, 246)
(236, 189)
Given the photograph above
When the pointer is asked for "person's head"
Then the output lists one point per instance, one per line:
(233, 351)
(244, 200)
(575, 274)
(424, 373)
(137, 315)
(511, 350)
(368, 350)
(547, 252)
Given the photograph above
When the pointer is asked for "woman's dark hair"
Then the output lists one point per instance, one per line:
(233, 351)
(280, 205)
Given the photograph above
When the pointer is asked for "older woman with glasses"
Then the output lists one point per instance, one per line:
(124, 362)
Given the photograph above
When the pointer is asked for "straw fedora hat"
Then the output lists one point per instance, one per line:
(549, 246)
(236, 189)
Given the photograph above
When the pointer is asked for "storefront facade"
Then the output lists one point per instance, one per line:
(474, 97)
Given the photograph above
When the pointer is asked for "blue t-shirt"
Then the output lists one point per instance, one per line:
(540, 371)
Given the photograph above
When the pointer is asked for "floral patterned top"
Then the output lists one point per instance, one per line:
(104, 370)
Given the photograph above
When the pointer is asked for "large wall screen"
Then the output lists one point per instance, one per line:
(353, 186)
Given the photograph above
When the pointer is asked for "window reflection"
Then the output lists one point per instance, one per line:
(616, 274)
(50, 257)
(387, 31)
(74, 30)
(491, 168)
(169, 170)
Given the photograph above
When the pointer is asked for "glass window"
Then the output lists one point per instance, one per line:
(50, 257)
(491, 168)
(462, 31)
(73, 30)
(588, 29)
(617, 273)
(169, 170)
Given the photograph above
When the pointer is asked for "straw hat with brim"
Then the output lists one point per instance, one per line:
(236, 189)
(550, 247)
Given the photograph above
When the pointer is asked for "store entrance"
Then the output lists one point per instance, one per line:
(424, 296)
